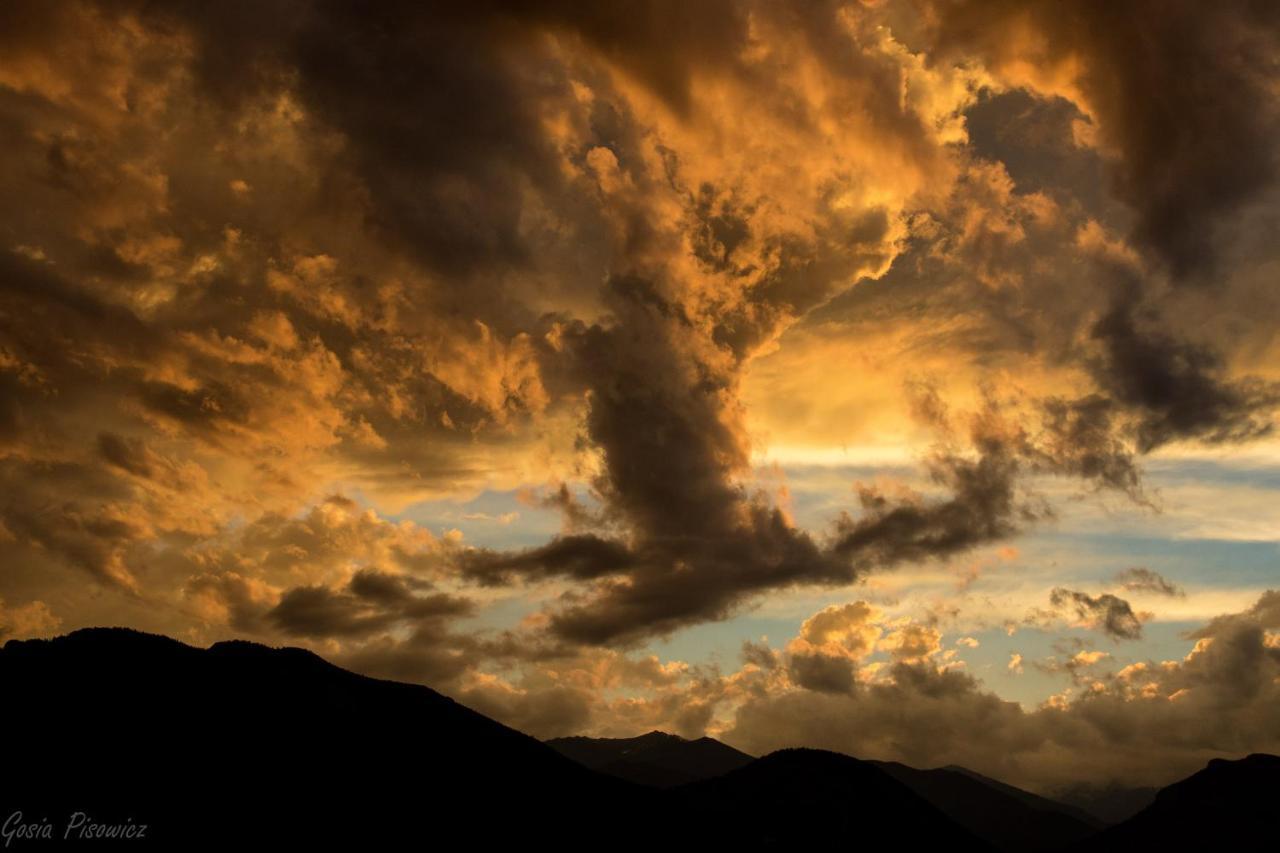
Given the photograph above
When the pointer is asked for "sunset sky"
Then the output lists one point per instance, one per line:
(898, 378)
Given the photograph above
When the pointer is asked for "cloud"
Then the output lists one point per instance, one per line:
(594, 252)
(824, 656)
(371, 602)
(1106, 613)
(1147, 724)
(33, 619)
(392, 283)
(1142, 579)
(912, 643)
(1184, 162)
(980, 498)
(1082, 437)
(245, 273)
(1078, 666)
(579, 556)
(1177, 387)
(982, 508)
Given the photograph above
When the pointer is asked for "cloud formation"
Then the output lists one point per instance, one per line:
(601, 238)
(1148, 722)
(1105, 612)
(1184, 160)
(1142, 579)
(279, 278)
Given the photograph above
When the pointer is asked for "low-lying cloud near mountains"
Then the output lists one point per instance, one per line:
(274, 274)
(1146, 721)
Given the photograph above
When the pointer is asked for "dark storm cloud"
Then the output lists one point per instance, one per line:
(662, 371)
(662, 376)
(431, 655)
(88, 538)
(1107, 613)
(1142, 579)
(439, 128)
(1180, 89)
(1177, 388)
(486, 190)
(439, 103)
(126, 454)
(443, 152)
(822, 672)
(982, 507)
(73, 511)
(984, 499)
(1188, 124)
(680, 582)
(371, 602)
(1082, 438)
(74, 323)
(702, 545)
(661, 410)
(579, 556)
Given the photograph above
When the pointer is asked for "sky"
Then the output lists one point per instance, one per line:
(898, 378)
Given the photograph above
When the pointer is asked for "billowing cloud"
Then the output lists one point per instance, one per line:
(1183, 160)
(825, 655)
(28, 620)
(278, 280)
(1149, 722)
(340, 292)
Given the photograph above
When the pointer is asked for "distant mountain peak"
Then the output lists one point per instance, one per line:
(1228, 805)
(104, 637)
(657, 759)
(656, 736)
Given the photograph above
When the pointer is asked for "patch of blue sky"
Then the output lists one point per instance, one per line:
(492, 519)
(1095, 558)
(721, 642)
(1031, 684)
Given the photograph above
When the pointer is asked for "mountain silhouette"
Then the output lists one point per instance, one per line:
(1007, 818)
(1110, 803)
(1010, 819)
(240, 744)
(657, 759)
(1229, 805)
(798, 796)
(1035, 800)
(243, 745)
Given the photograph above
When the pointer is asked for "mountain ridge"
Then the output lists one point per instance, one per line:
(656, 758)
(1238, 797)
(239, 740)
